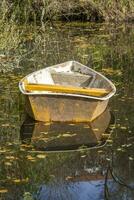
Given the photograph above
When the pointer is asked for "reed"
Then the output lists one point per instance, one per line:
(25, 11)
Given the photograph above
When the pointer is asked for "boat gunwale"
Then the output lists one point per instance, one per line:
(108, 96)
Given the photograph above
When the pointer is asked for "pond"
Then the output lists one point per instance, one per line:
(64, 168)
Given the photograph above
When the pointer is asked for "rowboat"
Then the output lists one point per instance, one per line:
(55, 136)
(69, 91)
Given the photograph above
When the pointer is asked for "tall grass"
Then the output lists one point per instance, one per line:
(116, 10)
(40, 11)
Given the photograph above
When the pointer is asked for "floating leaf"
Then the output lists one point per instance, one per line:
(8, 163)
(86, 126)
(44, 133)
(27, 196)
(124, 145)
(115, 110)
(112, 71)
(110, 141)
(41, 156)
(10, 157)
(68, 178)
(95, 129)
(100, 151)
(22, 149)
(119, 149)
(129, 145)
(20, 180)
(9, 143)
(71, 124)
(68, 135)
(130, 158)
(47, 123)
(83, 156)
(123, 127)
(5, 125)
(52, 175)
(105, 135)
(3, 190)
(29, 157)
(17, 181)
(2, 151)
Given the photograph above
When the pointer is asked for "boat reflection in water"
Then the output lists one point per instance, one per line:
(67, 136)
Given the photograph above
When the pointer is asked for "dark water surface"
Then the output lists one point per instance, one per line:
(41, 161)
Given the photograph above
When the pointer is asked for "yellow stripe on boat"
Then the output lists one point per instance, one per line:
(98, 92)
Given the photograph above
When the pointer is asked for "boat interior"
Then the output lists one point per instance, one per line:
(69, 74)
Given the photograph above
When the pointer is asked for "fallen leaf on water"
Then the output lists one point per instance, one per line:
(126, 119)
(112, 71)
(47, 123)
(100, 151)
(10, 157)
(68, 177)
(45, 133)
(20, 180)
(3, 190)
(2, 151)
(83, 156)
(110, 141)
(95, 129)
(129, 145)
(22, 149)
(119, 149)
(5, 125)
(123, 127)
(71, 124)
(112, 126)
(41, 156)
(9, 143)
(29, 157)
(66, 135)
(17, 181)
(118, 125)
(124, 145)
(105, 135)
(130, 158)
(86, 126)
(8, 163)
(52, 176)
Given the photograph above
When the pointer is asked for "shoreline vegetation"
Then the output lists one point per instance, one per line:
(40, 11)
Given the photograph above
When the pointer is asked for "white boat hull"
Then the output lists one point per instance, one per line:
(52, 106)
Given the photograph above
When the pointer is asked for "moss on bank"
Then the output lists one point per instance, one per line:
(85, 10)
